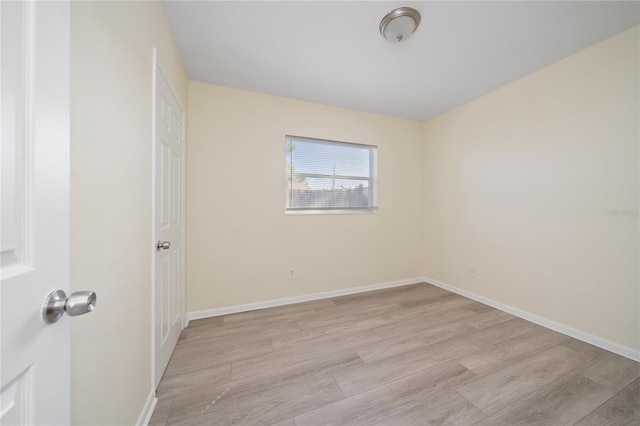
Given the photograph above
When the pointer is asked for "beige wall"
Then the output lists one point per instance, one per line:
(111, 65)
(517, 183)
(240, 242)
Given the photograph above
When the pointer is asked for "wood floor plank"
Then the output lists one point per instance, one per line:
(446, 409)
(562, 402)
(312, 336)
(497, 390)
(450, 408)
(281, 401)
(178, 367)
(183, 336)
(482, 363)
(339, 315)
(406, 342)
(232, 334)
(612, 371)
(267, 398)
(270, 317)
(451, 300)
(389, 294)
(594, 419)
(480, 308)
(283, 358)
(515, 349)
(500, 332)
(280, 312)
(371, 375)
(161, 412)
(287, 422)
(426, 313)
(175, 382)
(363, 309)
(418, 323)
(207, 322)
(220, 355)
(327, 365)
(426, 297)
(494, 357)
(394, 398)
(623, 407)
(489, 318)
(526, 343)
(584, 348)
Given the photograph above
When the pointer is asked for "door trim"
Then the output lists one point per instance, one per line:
(158, 67)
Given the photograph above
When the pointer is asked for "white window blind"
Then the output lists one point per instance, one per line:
(330, 177)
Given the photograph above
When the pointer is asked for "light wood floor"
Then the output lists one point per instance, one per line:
(412, 355)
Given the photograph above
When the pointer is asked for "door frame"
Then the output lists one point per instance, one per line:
(158, 67)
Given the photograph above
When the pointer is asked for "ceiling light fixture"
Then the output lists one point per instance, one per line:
(399, 24)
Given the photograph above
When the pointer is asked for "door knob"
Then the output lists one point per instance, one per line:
(163, 245)
(57, 303)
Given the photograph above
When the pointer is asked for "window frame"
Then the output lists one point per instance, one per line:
(372, 179)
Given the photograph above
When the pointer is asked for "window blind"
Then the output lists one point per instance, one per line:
(329, 176)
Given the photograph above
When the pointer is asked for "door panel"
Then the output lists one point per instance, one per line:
(16, 144)
(17, 408)
(34, 69)
(168, 222)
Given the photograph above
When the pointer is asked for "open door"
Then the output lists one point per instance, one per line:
(168, 220)
(34, 71)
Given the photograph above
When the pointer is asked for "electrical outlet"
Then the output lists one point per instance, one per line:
(471, 272)
(292, 274)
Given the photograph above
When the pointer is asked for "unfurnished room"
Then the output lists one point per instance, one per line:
(320, 213)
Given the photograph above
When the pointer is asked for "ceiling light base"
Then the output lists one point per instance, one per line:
(399, 24)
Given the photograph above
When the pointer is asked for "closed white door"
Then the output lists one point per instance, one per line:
(34, 69)
(168, 211)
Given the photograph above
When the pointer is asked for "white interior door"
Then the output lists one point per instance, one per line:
(168, 211)
(34, 74)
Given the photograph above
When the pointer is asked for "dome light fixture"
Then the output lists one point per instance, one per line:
(399, 24)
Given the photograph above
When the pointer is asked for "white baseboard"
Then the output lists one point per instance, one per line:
(147, 410)
(207, 313)
(556, 326)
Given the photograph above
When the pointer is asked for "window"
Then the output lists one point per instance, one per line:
(330, 177)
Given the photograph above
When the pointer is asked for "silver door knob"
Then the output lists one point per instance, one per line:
(163, 245)
(57, 303)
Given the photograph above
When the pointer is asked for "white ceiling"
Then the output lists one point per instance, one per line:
(331, 51)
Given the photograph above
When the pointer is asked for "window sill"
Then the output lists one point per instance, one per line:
(370, 210)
